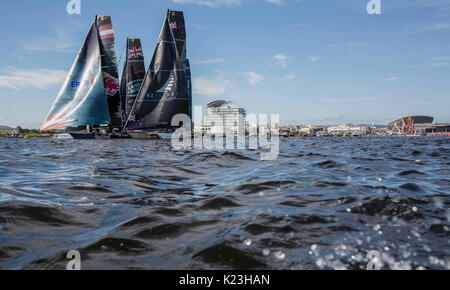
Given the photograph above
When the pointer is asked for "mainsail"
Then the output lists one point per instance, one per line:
(109, 69)
(133, 75)
(164, 92)
(178, 27)
(81, 100)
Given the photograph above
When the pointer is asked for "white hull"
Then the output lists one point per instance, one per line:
(63, 136)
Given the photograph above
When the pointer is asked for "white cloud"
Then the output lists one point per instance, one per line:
(210, 61)
(440, 61)
(218, 3)
(439, 64)
(253, 78)
(439, 58)
(17, 79)
(281, 59)
(277, 2)
(290, 77)
(439, 26)
(336, 117)
(314, 58)
(392, 79)
(210, 3)
(210, 87)
(61, 41)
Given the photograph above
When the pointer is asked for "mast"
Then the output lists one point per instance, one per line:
(81, 100)
(164, 92)
(123, 83)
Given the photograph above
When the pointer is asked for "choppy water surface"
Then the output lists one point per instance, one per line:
(128, 204)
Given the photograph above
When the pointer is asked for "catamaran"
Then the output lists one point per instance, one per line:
(166, 89)
(92, 104)
(89, 102)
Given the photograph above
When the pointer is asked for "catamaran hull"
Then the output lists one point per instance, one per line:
(82, 136)
(165, 136)
(144, 136)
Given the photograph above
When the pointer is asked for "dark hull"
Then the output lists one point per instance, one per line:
(102, 137)
(82, 136)
(87, 136)
(144, 135)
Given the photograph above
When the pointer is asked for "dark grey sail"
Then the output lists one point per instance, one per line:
(178, 27)
(133, 75)
(164, 92)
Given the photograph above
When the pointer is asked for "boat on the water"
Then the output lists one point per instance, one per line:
(63, 136)
(92, 104)
(166, 88)
(144, 135)
(90, 96)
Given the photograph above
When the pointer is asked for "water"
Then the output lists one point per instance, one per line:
(129, 204)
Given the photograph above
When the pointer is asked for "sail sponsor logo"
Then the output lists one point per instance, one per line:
(134, 87)
(135, 53)
(111, 84)
(75, 84)
(74, 7)
(106, 31)
(132, 118)
(173, 25)
(374, 7)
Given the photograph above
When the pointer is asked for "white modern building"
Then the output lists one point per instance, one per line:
(223, 117)
(348, 130)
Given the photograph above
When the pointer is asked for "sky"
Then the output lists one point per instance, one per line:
(310, 61)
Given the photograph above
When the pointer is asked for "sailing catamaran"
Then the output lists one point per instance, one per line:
(166, 89)
(89, 99)
(92, 105)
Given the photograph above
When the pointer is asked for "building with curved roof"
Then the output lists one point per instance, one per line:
(218, 103)
(409, 125)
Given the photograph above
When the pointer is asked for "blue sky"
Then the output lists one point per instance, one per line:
(311, 61)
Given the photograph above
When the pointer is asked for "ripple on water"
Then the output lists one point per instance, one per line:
(129, 204)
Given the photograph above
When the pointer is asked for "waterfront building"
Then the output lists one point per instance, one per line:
(7, 130)
(347, 130)
(417, 125)
(223, 117)
(408, 125)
